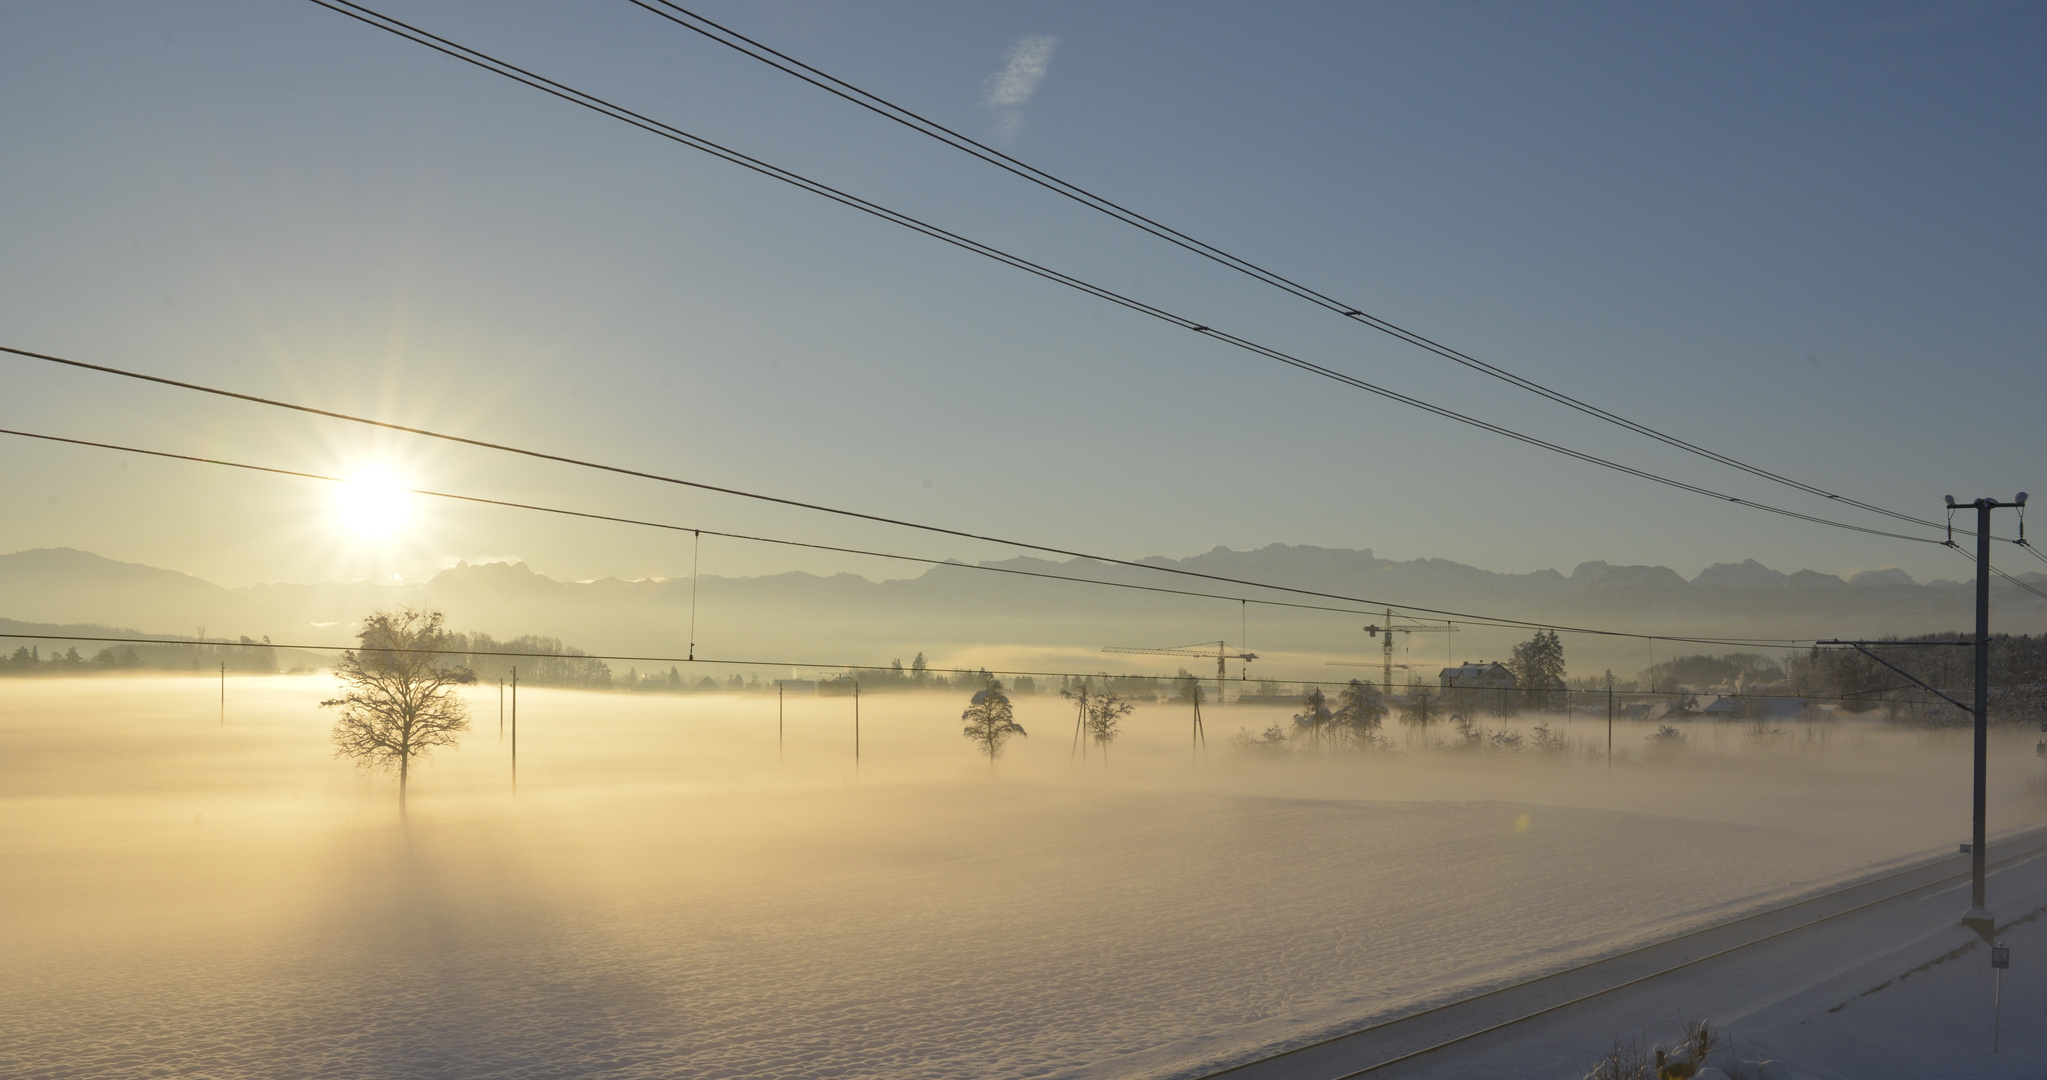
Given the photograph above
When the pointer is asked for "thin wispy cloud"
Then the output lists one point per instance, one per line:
(1010, 89)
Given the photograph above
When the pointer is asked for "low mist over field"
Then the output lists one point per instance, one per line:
(668, 894)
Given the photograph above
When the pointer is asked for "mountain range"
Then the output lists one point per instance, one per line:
(959, 614)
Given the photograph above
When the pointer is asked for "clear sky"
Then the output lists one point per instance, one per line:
(1807, 235)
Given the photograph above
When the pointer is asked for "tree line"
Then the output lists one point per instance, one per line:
(244, 658)
(1859, 684)
(541, 660)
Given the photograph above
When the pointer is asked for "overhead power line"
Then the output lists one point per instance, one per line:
(880, 106)
(2012, 578)
(1496, 622)
(596, 104)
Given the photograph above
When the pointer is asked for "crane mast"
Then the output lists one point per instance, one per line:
(1385, 632)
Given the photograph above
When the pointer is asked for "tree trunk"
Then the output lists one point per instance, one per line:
(404, 767)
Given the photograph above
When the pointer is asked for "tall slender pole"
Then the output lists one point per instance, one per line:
(515, 730)
(1997, 1014)
(1243, 645)
(1977, 908)
(1609, 723)
(695, 550)
(1386, 652)
(1079, 748)
(1978, 917)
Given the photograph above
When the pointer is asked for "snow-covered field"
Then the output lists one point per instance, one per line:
(666, 897)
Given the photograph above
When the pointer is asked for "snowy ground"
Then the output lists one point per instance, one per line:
(1898, 992)
(665, 897)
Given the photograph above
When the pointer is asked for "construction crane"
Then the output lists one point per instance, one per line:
(1387, 629)
(1203, 649)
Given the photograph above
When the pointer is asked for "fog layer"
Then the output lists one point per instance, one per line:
(667, 896)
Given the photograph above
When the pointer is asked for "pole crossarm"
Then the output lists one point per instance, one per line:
(1859, 647)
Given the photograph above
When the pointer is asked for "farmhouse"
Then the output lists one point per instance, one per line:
(1485, 675)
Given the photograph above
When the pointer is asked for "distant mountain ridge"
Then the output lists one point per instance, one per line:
(799, 616)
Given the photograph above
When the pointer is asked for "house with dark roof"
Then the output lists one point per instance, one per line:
(1485, 675)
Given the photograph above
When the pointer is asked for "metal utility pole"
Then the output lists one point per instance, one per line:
(1387, 630)
(1198, 739)
(1609, 723)
(1978, 917)
(1079, 748)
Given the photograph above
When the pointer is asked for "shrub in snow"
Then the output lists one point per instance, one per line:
(1469, 735)
(1504, 740)
(1702, 1055)
(1625, 1061)
(1667, 742)
(1548, 740)
(1272, 743)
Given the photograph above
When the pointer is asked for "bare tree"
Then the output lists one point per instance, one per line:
(991, 721)
(1104, 716)
(400, 702)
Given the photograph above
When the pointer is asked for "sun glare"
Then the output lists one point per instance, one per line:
(373, 504)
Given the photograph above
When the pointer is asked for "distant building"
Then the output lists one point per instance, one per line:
(1485, 675)
(1755, 708)
(1725, 707)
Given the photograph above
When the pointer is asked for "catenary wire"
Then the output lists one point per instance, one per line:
(589, 101)
(1495, 622)
(693, 529)
(854, 514)
(1995, 570)
(2013, 579)
(732, 39)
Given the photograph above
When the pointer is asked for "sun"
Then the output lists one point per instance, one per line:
(373, 504)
